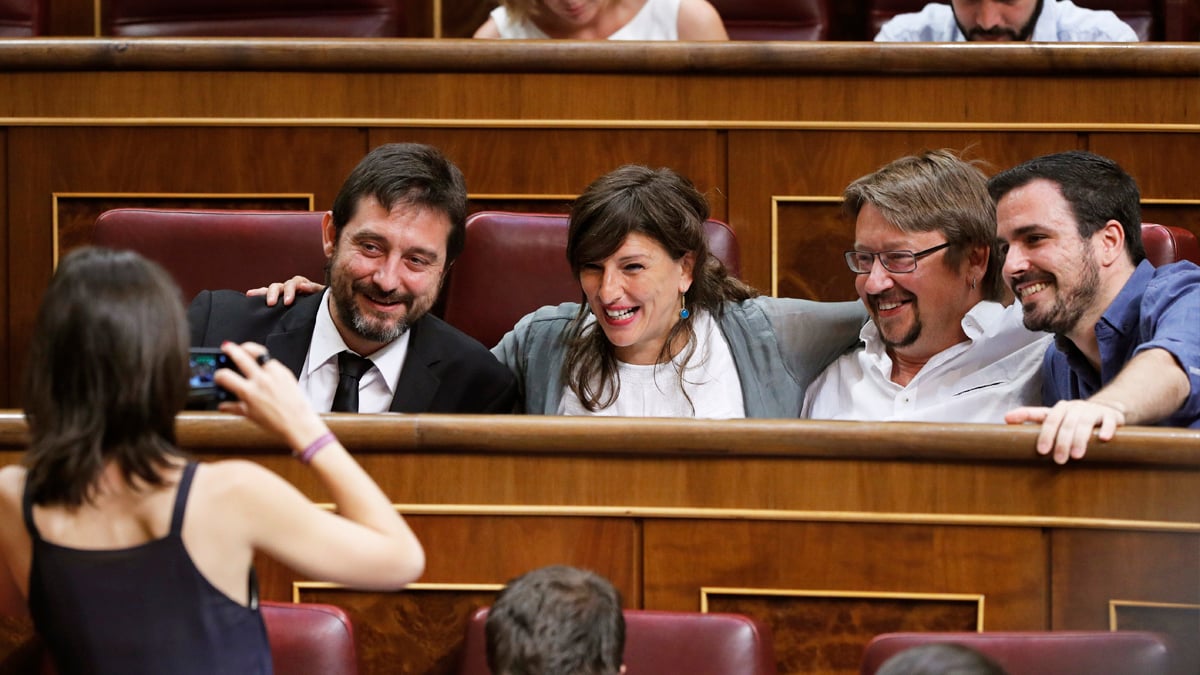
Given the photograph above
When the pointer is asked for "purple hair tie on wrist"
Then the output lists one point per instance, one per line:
(316, 446)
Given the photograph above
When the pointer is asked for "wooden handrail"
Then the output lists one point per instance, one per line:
(400, 55)
(560, 436)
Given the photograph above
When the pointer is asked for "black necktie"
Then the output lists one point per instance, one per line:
(351, 366)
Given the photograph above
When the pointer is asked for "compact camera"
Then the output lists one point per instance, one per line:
(203, 364)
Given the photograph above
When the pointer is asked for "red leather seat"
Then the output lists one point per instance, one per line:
(514, 263)
(213, 249)
(255, 18)
(774, 19)
(1168, 243)
(666, 643)
(22, 18)
(1041, 653)
(310, 639)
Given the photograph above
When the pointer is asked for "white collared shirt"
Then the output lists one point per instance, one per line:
(319, 375)
(996, 369)
(709, 389)
(1058, 22)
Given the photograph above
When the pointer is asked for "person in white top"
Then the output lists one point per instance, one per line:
(940, 346)
(604, 20)
(1006, 20)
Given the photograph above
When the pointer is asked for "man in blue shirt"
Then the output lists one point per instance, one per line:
(1006, 20)
(1127, 334)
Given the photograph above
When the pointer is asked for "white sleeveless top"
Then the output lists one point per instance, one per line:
(710, 380)
(656, 20)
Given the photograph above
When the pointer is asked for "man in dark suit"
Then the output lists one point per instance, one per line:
(368, 343)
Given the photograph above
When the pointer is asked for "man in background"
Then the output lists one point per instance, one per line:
(368, 342)
(939, 346)
(556, 620)
(1127, 347)
(1006, 21)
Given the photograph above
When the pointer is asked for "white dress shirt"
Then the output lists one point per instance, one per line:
(997, 368)
(710, 381)
(319, 375)
(1059, 22)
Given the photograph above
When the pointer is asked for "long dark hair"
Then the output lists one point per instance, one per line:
(107, 374)
(666, 207)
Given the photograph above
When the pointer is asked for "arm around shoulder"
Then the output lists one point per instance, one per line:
(699, 20)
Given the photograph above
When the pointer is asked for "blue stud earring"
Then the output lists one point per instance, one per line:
(683, 310)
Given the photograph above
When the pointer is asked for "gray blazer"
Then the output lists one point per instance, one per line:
(779, 345)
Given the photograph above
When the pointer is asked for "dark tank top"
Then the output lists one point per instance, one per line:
(145, 609)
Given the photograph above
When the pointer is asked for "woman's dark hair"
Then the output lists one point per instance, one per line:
(107, 373)
(666, 207)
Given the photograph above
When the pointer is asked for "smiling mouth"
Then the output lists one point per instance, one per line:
(620, 314)
(1026, 291)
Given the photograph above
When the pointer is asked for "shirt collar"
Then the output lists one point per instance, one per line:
(327, 343)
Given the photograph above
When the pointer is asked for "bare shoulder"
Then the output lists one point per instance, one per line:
(699, 20)
(12, 484)
(234, 478)
(488, 30)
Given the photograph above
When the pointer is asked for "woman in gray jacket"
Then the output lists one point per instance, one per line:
(665, 331)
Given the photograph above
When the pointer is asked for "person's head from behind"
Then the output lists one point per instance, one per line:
(107, 373)
(997, 20)
(556, 620)
(1065, 222)
(637, 245)
(923, 255)
(396, 226)
(940, 659)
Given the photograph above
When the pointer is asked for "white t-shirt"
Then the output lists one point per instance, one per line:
(319, 375)
(996, 369)
(710, 380)
(656, 20)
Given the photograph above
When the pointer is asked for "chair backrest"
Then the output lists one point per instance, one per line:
(514, 263)
(1037, 653)
(1168, 243)
(254, 18)
(666, 643)
(774, 19)
(1139, 14)
(308, 638)
(212, 249)
(22, 18)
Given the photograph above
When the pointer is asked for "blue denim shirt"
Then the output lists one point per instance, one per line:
(1157, 308)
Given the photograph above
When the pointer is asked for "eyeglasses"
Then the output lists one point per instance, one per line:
(896, 262)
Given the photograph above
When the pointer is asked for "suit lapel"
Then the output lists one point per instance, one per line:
(418, 384)
(292, 336)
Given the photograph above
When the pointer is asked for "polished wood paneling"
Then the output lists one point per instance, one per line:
(565, 161)
(818, 634)
(813, 526)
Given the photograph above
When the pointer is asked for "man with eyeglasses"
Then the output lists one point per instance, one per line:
(940, 346)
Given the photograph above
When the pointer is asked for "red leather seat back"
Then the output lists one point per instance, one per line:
(514, 263)
(666, 643)
(22, 18)
(1038, 653)
(212, 249)
(255, 18)
(774, 19)
(1168, 243)
(1139, 14)
(309, 638)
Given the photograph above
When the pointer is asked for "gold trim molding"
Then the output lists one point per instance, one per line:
(784, 515)
(550, 123)
(299, 587)
(978, 599)
(1115, 605)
